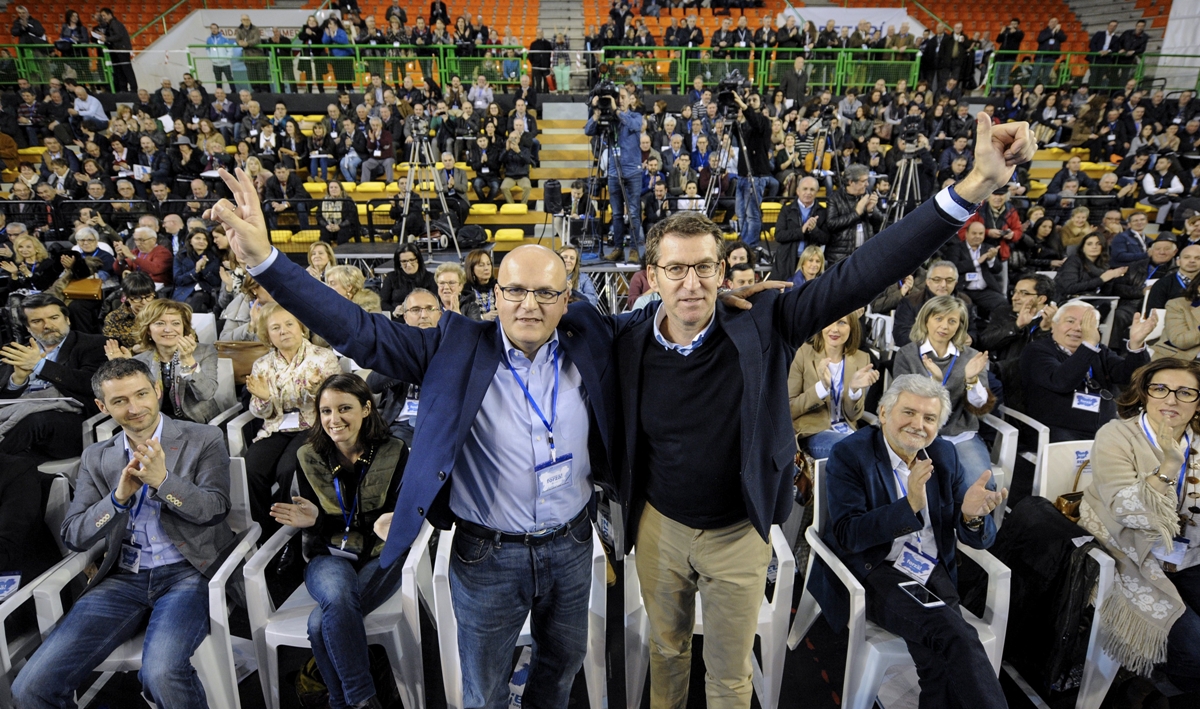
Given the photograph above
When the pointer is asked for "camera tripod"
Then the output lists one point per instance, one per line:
(906, 192)
(423, 175)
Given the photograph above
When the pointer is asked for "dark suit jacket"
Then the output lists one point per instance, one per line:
(79, 356)
(789, 230)
(866, 515)
(194, 497)
(1051, 377)
(767, 337)
(453, 364)
(958, 253)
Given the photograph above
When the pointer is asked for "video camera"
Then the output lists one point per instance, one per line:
(727, 90)
(910, 130)
(609, 97)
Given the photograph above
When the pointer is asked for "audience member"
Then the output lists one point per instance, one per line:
(826, 399)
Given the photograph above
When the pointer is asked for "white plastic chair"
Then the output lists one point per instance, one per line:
(69, 467)
(205, 325)
(14, 651)
(773, 615)
(447, 626)
(1004, 457)
(226, 391)
(396, 624)
(872, 650)
(235, 432)
(213, 660)
(1041, 430)
(1055, 472)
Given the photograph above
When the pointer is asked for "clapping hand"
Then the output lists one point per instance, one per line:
(302, 514)
(976, 365)
(930, 366)
(918, 474)
(823, 371)
(22, 358)
(187, 348)
(1027, 314)
(153, 463)
(1141, 329)
(258, 387)
(979, 500)
(864, 378)
(114, 350)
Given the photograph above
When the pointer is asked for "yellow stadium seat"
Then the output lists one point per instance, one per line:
(362, 210)
(369, 188)
(231, 150)
(35, 151)
(510, 235)
(771, 206)
(306, 236)
(349, 187)
(483, 209)
(315, 189)
(514, 209)
(392, 188)
(281, 236)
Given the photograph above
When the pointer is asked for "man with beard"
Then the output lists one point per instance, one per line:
(55, 363)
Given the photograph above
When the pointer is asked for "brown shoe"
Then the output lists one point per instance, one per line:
(614, 255)
(634, 257)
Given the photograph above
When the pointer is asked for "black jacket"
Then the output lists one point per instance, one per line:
(842, 225)
(756, 132)
(1050, 378)
(789, 232)
(79, 356)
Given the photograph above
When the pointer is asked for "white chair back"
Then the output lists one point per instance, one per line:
(56, 510)
(226, 393)
(205, 325)
(1057, 469)
(820, 505)
(239, 495)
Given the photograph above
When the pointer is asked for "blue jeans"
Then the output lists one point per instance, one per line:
(1183, 643)
(633, 188)
(820, 444)
(320, 166)
(493, 587)
(175, 597)
(335, 627)
(974, 458)
(750, 192)
(349, 165)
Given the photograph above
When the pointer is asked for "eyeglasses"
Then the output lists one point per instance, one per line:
(408, 261)
(418, 310)
(1184, 395)
(141, 298)
(947, 281)
(679, 271)
(545, 296)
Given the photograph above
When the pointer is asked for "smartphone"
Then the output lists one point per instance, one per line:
(922, 595)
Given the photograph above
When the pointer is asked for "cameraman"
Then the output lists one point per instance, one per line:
(754, 164)
(624, 170)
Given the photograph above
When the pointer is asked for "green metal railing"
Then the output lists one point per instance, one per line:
(1173, 72)
(87, 64)
(291, 66)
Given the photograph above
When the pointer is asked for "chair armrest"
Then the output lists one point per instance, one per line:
(1008, 412)
(225, 416)
(258, 598)
(1108, 569)
(10, 605)
(89, 428)
(233, 432)
(48, 594)
(416, 579)
(218, 606)
(785, 574)
(870, 418)
(999, 581)
(858, 593)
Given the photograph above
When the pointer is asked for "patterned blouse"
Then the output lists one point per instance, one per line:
(118, 325)
(293, 386)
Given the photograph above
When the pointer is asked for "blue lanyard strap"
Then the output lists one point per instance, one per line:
(537, 409)
(836, 389)
(347, 515)
(949, 368)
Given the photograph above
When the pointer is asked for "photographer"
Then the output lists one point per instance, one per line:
(754, 163)
(620, 130)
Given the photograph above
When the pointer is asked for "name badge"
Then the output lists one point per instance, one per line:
(553, 475)
(484, 170)
(291, 420)
(131, 557)
(10, 581)
(195, 119)
(1051, 42)
(1178, 549)
(1111, 137)
(1086, 402)
(972, 277)
(842, 427)
(915, 563)
(333, 134)
(410, 409)
(378, 153)
(253, 132)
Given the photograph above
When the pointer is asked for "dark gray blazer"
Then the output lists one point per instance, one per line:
(194, 497)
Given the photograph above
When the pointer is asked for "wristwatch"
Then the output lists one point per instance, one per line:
(974, 524)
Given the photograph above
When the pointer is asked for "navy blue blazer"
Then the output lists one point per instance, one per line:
(453, 364)
(866, 514)
(767, 337)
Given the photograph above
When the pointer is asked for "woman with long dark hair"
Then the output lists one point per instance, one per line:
(351, 469)
(409, 273)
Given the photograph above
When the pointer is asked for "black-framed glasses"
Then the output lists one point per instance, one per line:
(1184, 395)
(679, 271)
(516, 294)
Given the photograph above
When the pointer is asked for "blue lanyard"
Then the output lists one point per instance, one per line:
(347, 515)
(835, 394)
(138, 510)
(1187, 448)
(1183, 284)
(949, 368)
(537, 409)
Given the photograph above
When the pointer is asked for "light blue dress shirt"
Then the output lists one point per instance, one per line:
(494, 483)
(145, 520)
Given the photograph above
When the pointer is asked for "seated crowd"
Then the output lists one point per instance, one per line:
(1047, 305)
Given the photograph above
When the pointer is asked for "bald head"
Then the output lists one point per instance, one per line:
(530, 322)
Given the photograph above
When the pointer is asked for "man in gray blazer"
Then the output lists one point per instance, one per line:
(158, 494)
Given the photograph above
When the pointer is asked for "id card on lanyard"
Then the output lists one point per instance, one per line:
(351, 543)
(1085, 401)
(837, 388)
(131, 552)
(555, 473)
(913, 561)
